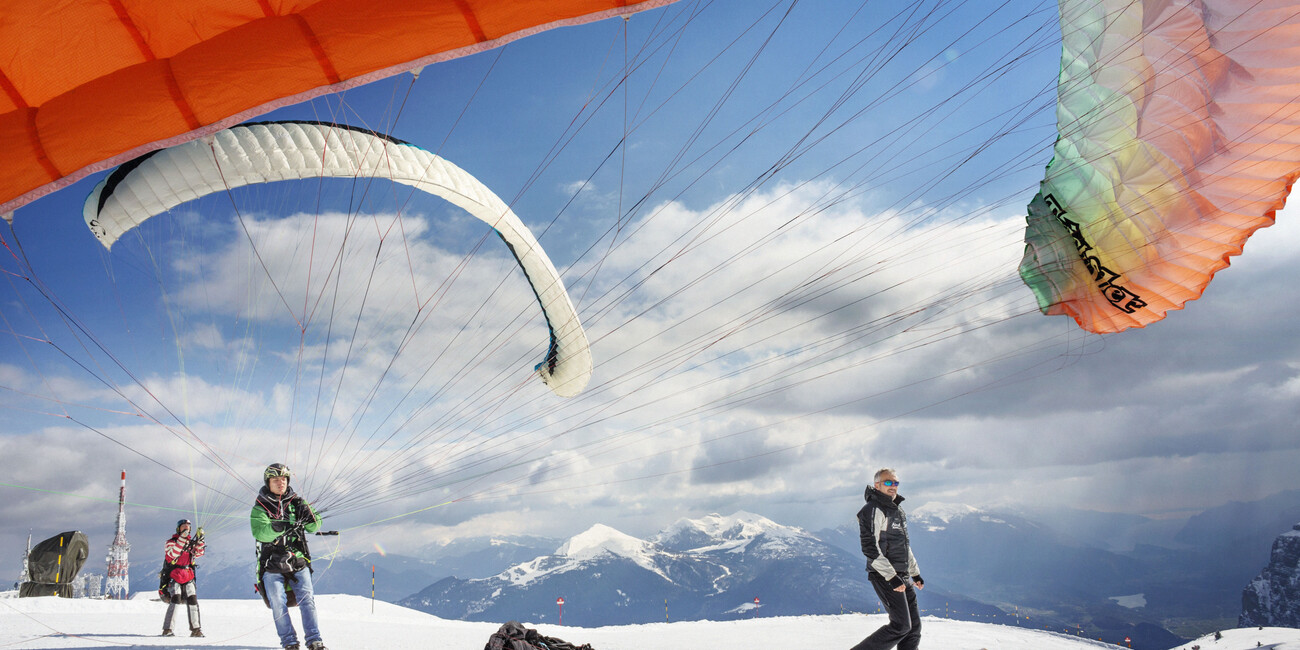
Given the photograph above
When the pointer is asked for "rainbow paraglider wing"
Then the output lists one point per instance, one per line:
(1179, 137)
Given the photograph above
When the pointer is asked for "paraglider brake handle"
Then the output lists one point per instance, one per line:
(326, 532)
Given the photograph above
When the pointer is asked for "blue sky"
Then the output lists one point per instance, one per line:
(799, 268)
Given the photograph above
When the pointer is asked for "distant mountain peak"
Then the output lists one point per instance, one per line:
(600, 539)
(739, 526)
(945, 512)
(735, 533)
(740, 518)
(595, 543)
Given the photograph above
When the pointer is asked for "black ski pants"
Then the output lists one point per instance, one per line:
(904, 628)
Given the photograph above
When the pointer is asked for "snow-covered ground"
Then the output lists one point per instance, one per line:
(349, 624)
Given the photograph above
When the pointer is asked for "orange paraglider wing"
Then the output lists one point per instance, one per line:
(88, 84)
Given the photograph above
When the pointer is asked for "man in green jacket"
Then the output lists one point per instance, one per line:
(281, 521)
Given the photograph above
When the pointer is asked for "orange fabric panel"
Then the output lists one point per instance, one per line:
(358, 39)
(171, 27)
(10, 100)
(248, 66)
(500, 18)
(46, 53)
(120, 108)
(112, 80)
(17, 141)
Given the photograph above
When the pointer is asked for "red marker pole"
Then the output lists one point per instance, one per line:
(756, 606)
(560, 602)
(372, 589)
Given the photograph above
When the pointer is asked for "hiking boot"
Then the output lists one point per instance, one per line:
(168, 633)
(291, 646)
(316, 645)
(196, 632)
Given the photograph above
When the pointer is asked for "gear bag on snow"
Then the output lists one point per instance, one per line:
(53, 564)
(514, 636)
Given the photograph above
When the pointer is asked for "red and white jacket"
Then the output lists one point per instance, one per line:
(176, 553)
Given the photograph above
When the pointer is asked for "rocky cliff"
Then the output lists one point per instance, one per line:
(1273, 598)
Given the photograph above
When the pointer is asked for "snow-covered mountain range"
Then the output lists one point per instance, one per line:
(1060, 570)
(981, 565)
(712, 567)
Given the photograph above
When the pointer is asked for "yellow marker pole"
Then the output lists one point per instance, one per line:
(59, 573)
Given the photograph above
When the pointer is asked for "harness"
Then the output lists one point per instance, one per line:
(165, 574)
(270, 554)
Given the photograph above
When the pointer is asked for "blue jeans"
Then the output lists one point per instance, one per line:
(275, 593)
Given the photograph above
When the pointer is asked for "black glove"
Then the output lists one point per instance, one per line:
(301, 510)
(279, 525)
(916, 580)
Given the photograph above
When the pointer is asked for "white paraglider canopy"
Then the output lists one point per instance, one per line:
(280, 151)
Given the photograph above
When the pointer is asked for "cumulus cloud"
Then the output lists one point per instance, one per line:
(754, 353)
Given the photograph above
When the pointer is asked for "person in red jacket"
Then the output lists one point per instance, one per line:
(180, 552)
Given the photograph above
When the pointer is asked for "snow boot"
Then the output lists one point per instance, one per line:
(316, 645)
(167, 632)
(196, 632)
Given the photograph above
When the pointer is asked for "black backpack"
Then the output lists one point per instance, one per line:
(513, 636)
(165, 578)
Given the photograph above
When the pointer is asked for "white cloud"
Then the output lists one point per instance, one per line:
(764, 361)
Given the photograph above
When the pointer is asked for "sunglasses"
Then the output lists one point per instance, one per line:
(890, 483)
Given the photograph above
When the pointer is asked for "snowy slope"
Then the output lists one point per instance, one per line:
(349, 624)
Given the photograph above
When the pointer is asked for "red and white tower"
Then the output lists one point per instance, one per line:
(116, 585)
